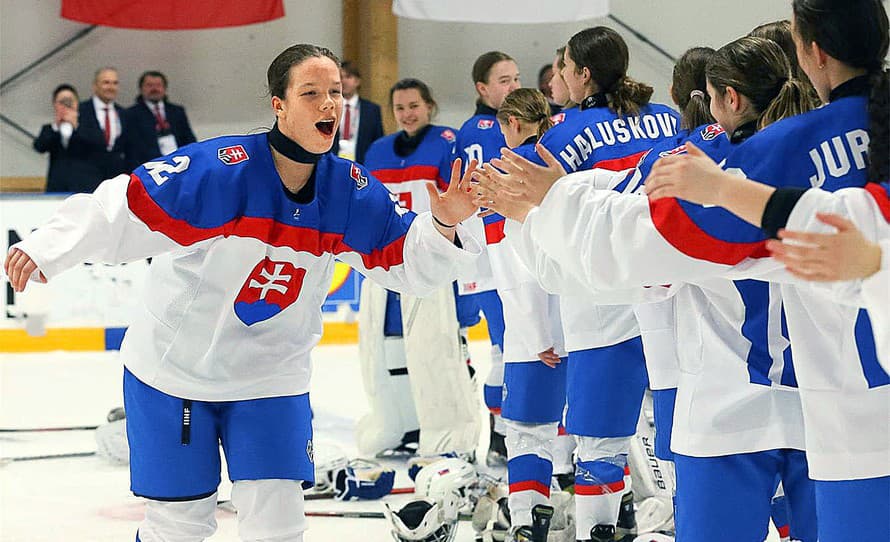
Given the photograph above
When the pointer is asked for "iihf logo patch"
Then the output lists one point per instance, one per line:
(356, 173)
(448, 135)
(232, 155)
(484, 124)
(269, 289)
(712, 131)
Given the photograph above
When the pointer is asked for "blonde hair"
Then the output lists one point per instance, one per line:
(529, 106)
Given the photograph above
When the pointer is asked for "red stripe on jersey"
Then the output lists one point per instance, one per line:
(683, 233)
(265, 230)
(411, 173)
(494, 232)
(495, 410)
(882, 198)
(603, 489)
(620, 164)
(531, 485)
(784, 531)
(627, 470)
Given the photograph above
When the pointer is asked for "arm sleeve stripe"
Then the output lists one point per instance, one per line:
(683, 233)
(494, 232)
(266, 230)
(410, 173)
(882, 197)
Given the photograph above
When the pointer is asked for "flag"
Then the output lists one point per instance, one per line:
(171, 14)
(501, 11)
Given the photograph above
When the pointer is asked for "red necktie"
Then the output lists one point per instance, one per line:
(107, 126)
(161, 122)
(347, 124)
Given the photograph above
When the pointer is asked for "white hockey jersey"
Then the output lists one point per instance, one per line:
(232, 305)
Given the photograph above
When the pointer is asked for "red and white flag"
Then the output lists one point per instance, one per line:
(172, 14)
(501, 11)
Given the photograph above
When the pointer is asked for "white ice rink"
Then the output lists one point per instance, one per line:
(87, 499)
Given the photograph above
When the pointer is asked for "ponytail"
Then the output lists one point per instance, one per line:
(697, 111)
(689, 88)
(879, 126)
(628, 96)
(529, 106)
(792, 99)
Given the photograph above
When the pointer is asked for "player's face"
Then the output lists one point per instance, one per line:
(503, 78)
(310, 111)
(575, 82)
(105, 86)
(153, 89)
(412, 113)
(559, 92)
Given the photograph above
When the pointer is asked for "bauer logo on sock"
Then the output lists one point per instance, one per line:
(269, 289)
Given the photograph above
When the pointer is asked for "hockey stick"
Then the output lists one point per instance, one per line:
(360, 515)
(226, 504)
(4, 460)
(47, 429)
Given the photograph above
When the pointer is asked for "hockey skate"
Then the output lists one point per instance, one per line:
(626, 529)
(602, 533)
(537, 531)
(407, 448)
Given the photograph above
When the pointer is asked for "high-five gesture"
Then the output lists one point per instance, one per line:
(455, 204)
(513, 185)
(19, 268)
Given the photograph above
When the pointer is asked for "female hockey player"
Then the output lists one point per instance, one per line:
(244, 231)
(841, 47)
(495, 74)
(534, 373)
(716, 367)
(405, 162)
(613, 128)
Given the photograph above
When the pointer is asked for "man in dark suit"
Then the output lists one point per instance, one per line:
(103, 129)
(360, 123)
(156, 126)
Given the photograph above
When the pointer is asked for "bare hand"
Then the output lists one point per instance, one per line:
(550, 358)
(455, 204)
(692, 176)
(19, 267)
(514, 186)
(827, 257)
(69, 115)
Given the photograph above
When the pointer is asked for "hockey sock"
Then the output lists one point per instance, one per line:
(599, 486)
(779, 514)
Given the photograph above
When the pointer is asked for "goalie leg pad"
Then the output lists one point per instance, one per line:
(385, 378)
(443, 391)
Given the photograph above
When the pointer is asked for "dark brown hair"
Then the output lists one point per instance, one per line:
(425, 94)
(689, 88)
(758, 70)
(603, 51)
(780, 32)
(855, 32)
(482, 66)
(527, 105)
(278, 74)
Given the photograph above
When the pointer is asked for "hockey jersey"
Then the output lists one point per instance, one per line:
(835, 361)
(232, 304)
(480, 139)
(406, 176)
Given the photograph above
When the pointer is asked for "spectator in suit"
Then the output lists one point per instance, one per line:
(60, 138)
(103, 129)
(360, 123)
(156, 126)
